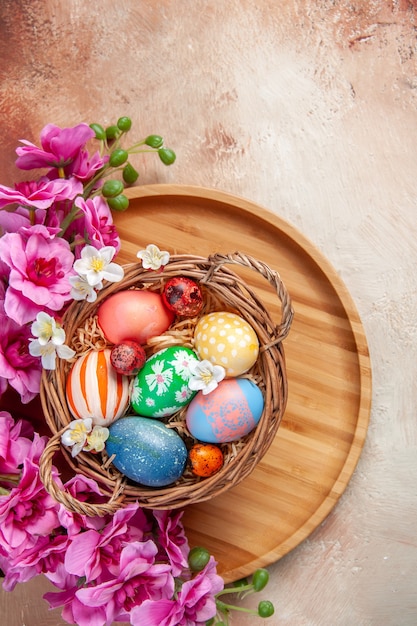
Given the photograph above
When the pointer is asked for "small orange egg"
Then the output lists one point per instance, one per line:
(206, 459)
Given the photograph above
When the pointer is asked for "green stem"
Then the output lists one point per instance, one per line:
(72, 215)
(247, 587)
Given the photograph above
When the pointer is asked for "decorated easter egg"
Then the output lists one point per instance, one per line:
(226, 339)
(128, 357)
(161, 387)
(205, 459)
(228, 413)
(94, 389)
(146, 451)
(183, 296)
(133, 314)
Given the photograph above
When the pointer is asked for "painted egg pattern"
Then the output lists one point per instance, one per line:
(226, 414)
(183, 296)
(226, 339)
(94, 389)
(146, 451)
(161, 387)
(205, 459)
(128, 357)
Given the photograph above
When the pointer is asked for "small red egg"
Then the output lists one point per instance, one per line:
(205, 459)
(183, 296)
(133, 314)
(128, 357)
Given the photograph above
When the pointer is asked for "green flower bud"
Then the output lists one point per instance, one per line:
(112, 188)
(167, 156)
(118, 157)
(99, 131)
(265, 608)
(260, 579)
(119, 203)
(112, 132)
(130, 175)
(124, 124)
(198, 558)
(154, 141)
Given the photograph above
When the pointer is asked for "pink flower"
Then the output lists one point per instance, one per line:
(45, 554)
(14, 448)
(138, 578)
(85, 166)
(195, 603)
(172, 539)
(27, 512)
(40, 265)
(95, 226)
(17, 367)
(40, 194)
(92, 554)
(83, 489)
(60, 147)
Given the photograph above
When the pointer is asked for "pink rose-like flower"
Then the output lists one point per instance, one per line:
(40, 266)
(95, 225)
(93, 553)
(45, 554)
(40, 194)
(60, 147)
(85, 166)
(172, 539)
(14, 448)
(27, 512)
(17, 367)
(139, 578)
(195, 603)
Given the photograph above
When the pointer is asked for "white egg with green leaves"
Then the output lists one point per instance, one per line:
(161, 387)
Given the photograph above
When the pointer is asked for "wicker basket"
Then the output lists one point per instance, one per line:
(224, 289)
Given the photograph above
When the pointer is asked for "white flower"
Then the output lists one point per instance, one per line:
(97, 438)
(205, 376)
(153, 258)
(95, 265)
(160, 379)
(49, 351)
(45, 328)
(76, 434)
(82, 290)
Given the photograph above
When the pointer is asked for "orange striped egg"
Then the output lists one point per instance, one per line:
(94, 389)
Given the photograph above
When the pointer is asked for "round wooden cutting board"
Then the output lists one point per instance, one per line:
(319, 442)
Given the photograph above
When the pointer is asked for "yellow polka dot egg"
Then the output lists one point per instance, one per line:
(226, 339)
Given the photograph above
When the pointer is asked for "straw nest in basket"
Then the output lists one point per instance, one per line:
(223, 290)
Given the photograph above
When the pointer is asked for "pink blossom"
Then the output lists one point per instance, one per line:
(14, 447)
(95, 226)
(138, 578)
(40, 194)
(28, 511)
(45, 554)
(92, 554)
(85, 166)
(60, 147)
(172, 539)
(194, 604)
(83, 489)
(17, 367)
(40, 265)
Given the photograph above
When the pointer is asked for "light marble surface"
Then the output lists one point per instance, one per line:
(308, 108)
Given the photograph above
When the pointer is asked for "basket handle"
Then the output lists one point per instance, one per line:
(64, 497)
(274, 279)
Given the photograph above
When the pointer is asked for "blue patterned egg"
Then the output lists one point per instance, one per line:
(228, 413)
(161, 386)
(146, 451)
